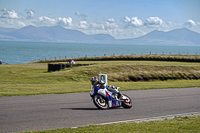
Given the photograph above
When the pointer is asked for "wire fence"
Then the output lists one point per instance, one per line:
(114, 54)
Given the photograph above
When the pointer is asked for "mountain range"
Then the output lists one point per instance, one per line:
(181, 36)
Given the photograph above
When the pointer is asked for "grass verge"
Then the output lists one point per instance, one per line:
(27, 79)
(177, 125)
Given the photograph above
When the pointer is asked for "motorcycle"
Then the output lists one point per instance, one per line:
(103, 98)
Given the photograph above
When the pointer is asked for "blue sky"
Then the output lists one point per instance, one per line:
(119, 18)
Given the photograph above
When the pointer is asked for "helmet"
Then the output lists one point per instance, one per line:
(93, 80)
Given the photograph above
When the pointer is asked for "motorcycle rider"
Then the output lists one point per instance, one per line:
(101, 84)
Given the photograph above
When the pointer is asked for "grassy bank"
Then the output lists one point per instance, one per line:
(179, 58)
(176, 125)
(34, 79)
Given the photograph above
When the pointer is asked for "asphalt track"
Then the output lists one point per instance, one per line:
(42, 112)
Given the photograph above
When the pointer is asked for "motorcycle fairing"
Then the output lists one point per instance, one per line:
(108, 95)
(116, 103)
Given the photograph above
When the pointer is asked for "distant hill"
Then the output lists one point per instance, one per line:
(51, 34)
(181, 36)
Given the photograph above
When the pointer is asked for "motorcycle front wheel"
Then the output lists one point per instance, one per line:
(100, 102)
(126, 103)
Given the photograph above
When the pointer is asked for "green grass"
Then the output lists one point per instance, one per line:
(34, 79)
(180, 58)
(176, 125)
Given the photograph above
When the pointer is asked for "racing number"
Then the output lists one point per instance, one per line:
(103, 78)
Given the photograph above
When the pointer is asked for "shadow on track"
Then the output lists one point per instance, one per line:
(81, 108)
(91, 108)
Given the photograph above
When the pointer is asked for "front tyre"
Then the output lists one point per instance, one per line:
(100, 102)
(126, 102)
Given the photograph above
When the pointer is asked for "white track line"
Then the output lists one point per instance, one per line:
(152, 118)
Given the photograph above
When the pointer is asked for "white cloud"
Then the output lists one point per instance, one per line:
(111, 20)
(96, 26)
(64, 21)
(9, 14)
(126, 19)
(46, 21)
(99, 28)
(108, 25)
(189, 23)
(30, 13)
(21, 24)
(129, 27)
(83, 24)
(153, 22)
(9, 18)
(12, 23)
(136, 22)
(133, 22)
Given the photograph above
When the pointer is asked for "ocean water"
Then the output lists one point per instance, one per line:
(24, 52)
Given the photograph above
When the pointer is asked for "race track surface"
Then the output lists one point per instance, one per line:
(42, 112)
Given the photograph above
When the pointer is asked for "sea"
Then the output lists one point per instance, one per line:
(25, 52)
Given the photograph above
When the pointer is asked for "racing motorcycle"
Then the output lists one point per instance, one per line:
(103, 98)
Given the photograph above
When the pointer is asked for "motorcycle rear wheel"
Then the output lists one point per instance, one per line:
(126, 103)
(100, 102)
